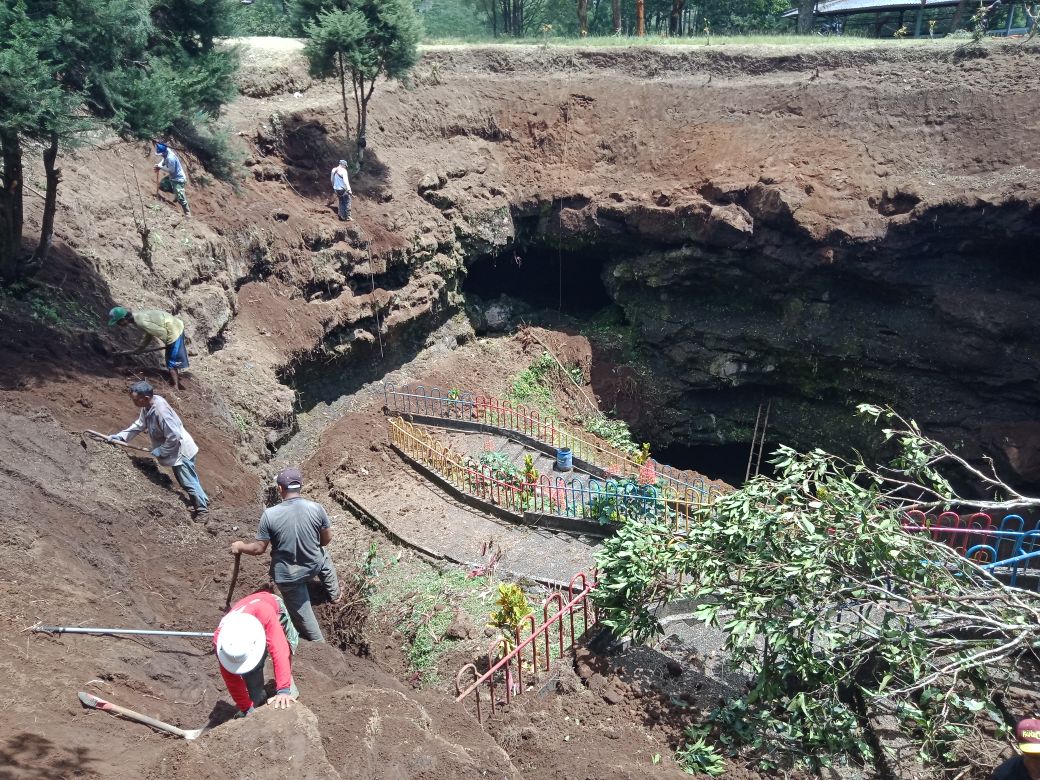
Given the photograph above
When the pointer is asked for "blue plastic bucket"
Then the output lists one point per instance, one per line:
(564, 459)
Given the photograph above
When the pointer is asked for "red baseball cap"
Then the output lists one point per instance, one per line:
(1027, 732)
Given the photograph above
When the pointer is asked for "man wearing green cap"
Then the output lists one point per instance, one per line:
(161, 325)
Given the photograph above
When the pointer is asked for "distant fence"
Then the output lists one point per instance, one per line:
(459, 405)
(504, 678)
(1005, 547)
(603, 502)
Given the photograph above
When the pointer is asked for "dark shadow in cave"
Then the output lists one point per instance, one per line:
(325, 378)
(544, 278)
(728, 462)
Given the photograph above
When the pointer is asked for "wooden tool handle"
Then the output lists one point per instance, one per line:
(100, 704)
(102, 437)
(234, 579)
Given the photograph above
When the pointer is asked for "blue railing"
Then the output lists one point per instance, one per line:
(1004, 548)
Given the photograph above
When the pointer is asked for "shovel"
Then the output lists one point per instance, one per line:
(100, 704)
(103, 438)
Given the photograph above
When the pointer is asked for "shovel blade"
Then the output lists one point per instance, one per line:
(91, 701)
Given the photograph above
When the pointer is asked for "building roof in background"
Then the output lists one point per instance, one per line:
(830, 7)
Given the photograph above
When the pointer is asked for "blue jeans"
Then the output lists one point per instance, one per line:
(298, 601)
(189, 480)
(344, 203)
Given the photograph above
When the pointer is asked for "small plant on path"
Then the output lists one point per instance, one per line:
(512, 608)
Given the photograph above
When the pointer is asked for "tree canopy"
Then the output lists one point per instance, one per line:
(145, 67)
(360, 42)
(831, 608)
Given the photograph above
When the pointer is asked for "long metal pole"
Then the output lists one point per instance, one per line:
(117, 631)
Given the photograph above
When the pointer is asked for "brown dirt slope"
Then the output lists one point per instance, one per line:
(265, 279)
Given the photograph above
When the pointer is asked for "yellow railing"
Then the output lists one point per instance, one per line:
(554, 496)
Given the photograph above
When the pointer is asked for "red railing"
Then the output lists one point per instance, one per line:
(509, 668)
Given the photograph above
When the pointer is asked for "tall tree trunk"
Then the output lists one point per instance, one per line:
(615, 16)
(11, 207)
(640, 21)
(675, 20)
(583, 18)
(343, 91)
(50, 203)
(362, 139)
(507, 18)
(806, 8)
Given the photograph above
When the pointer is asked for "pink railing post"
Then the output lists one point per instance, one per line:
(555, 598)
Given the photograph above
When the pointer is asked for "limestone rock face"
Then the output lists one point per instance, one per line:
(941, 324)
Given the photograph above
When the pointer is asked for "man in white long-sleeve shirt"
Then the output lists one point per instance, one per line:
(171, 445)
(341, 186)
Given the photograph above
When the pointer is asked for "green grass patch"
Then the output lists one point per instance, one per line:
(47, 305)
(613, 432)
(421, 602)
(533, 385)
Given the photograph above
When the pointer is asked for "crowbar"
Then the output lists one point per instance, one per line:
(96, 703)
(117, 631)
(102, 437)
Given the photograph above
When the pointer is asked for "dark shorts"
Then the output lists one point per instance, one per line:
(177, 354)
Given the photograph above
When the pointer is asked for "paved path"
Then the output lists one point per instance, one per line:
(425, 516)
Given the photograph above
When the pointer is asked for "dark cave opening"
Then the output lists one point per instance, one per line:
(728, 462)
(543, 277)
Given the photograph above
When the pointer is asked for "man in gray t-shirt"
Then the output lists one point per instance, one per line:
(297, 531)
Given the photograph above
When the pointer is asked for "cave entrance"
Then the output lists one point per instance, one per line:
(544, 277)
(728, 462)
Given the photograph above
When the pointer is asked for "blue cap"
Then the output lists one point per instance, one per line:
(160, 148)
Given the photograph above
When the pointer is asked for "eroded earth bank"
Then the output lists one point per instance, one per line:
(714, 228)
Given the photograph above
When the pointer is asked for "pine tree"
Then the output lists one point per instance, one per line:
(33, 107)
(372, 38)
(146, 67)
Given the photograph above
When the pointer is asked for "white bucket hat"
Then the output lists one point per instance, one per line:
(241, 642)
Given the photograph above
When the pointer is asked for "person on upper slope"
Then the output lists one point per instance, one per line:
(161, 325)
(341, 186)
(257, 627)
(175, 177)
(172, 445)
(297, 531)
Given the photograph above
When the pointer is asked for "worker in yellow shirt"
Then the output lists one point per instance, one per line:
(161, 325)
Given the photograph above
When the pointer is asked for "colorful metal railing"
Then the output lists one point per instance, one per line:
(506, 659)
(605, 502)
(460, 405)
(1003, 548)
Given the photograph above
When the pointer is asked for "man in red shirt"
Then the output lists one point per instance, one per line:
(257, 626)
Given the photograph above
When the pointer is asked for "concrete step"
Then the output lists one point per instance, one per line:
(515, 452)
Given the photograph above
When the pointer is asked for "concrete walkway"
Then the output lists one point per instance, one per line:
(424, 516)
